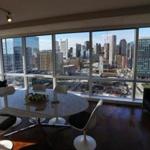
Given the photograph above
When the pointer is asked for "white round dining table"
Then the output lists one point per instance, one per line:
(67, 104)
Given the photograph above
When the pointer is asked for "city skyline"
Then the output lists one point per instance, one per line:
(73, 38)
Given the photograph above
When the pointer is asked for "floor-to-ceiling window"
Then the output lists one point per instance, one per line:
(112, 63)
(39, 60)
(72, 54)
(109, 64)
(143, 62)
(13, 61)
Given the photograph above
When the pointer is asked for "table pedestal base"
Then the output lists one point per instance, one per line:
(57, 121)
(35, 120)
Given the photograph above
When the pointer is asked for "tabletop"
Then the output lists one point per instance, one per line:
(68, 104)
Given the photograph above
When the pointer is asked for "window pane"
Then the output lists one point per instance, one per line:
(39, 55)
(78, 86)
(48, 82)
(113, 54)
(140, 90)
(17, 82)
(143, 54)
(72, 54)
(12, 54)
(112, 88)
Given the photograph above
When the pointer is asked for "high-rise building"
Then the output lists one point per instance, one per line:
(29, 58)
(106, 51)
(78, 50)
(57, 46)
(87, 45)
(64, 48)
(98, 48)
(112, 49)
(143, 58)
(32, 50)
(32, 44)
(59, 63)
(70, 52)
(130, 51)
(123, 47)
(18, 59)
(17, 47)
(123, 52)
(45, 61)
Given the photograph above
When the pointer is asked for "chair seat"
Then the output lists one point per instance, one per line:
(6, 145)
(79, 120)
(6, 121)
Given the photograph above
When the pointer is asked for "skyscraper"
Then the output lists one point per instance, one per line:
(17, 47)
(130, 51)
(106, 51)
(87, 45)
(70, 52)
(123, 47)
(57, 46)
(112, 50)
(98, 48)
(46, 63)
(32, 50)
(64, 48)
(143, 58)
(18, 59)
(78, 50)
(123, 52)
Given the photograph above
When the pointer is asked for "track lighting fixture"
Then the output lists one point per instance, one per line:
(8, 15)
(9, 18)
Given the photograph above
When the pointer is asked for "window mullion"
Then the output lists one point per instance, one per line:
(54, 59)
(134, 63)
(1, 61)
(24, 62)
(90, 64)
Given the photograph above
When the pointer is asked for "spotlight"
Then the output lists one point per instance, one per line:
(9, 18)
(8, 14)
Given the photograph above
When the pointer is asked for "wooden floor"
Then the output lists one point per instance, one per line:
(118, 128)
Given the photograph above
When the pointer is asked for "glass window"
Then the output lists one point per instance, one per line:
(16, 81)
(48, 82)
(113, 54)
(72, 54)
(112, 88)
(140, 89)
(39, 55)
(75, 85)
(12, 55)
(143, 54)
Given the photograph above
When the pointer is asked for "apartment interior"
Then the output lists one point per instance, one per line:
(93, 51)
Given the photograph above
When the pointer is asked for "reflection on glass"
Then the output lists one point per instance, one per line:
(48, 82)
(72, 54)
(112, 88)
(143, 54)
(140, 90)
(39, 55)
(17, 82)
(78, 86)
(113, 54)
(12, 55)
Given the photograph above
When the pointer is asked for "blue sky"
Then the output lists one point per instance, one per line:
(98, 37)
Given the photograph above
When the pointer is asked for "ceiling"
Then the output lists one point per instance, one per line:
(27, 10)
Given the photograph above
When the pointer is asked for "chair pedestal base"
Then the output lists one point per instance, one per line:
(81, 144)
(18, 121)
(57, 120)
(6, 145)
(35, 120)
